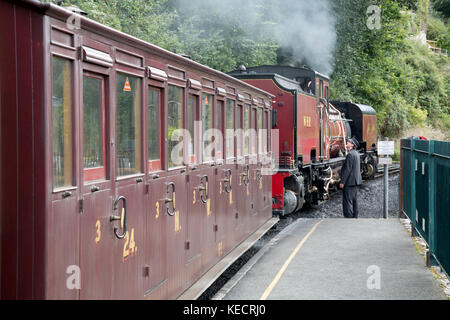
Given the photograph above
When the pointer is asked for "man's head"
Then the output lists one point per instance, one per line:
(352, 144)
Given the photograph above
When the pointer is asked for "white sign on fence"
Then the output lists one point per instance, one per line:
(386, 147)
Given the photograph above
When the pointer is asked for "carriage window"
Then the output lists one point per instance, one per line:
(62, 123)
(246, 129)
(260, 130)
(192, 117)
(219, 126)
(175, 126)
(253, 131)
(239, 133)
(93, 128)
(154, 146)
(207, 123)
(128, 125)
(230, 128)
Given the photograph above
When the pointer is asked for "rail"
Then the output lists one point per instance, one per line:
(395, 168)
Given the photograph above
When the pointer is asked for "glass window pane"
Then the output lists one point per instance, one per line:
(175, 126)
(207, 123)
(128, 125)
(260, 130)
(192, 115)
(62, 123)
(230, 128)
(219, 127)
(263, 134)
(246, 129)
(92, 122)
(154, 103)
(253, 131)
(239, 133)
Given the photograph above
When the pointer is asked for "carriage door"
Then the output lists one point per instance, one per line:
(175, 205)
(155, 268)
(206, 184)
(128, 208)
(253, 174)
(258, 185)
(95, 235)
(242, 170)
(226, 205)
(195, 196)
(221, 196)
(64, 217)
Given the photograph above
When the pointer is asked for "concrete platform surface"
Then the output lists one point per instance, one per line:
(336, 259)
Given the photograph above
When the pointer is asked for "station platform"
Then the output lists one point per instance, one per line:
(336, 259)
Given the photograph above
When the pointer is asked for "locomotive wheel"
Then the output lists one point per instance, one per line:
(370, 169)
(290, 202)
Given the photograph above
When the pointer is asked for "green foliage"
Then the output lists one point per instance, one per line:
(436, 27)
(442, 6)
(401, 79)
(439, 31)
(220, 39)
(147, 20)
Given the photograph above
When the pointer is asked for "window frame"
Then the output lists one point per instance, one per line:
(219, 149)
(138, 75)
(73, 186)
(183, 107)
(193, 158)
(230, 139)
(97, 173)
(154, 165)
(212, 105)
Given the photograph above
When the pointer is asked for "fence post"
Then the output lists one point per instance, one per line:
(432, 206)
(400, 185)
(413, 189)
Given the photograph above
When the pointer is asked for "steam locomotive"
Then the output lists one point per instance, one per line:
(312, 134)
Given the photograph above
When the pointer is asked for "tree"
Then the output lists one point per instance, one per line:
(442, 6)
(148, 20)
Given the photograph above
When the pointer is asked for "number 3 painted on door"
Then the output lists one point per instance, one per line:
(99, 233)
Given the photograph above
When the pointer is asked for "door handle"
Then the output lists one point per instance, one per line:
(259, 174)
(203, 188)
(171, 185)
(228, 181)
(246, 176)
(122, 218)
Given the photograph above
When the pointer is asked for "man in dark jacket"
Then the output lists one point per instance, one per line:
(351, 179)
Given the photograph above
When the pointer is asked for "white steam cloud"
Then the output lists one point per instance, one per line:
(306, 28)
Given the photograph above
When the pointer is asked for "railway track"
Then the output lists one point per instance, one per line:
(395, 168)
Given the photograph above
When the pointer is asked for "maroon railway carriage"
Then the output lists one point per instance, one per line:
(89, 187)
(311, 133)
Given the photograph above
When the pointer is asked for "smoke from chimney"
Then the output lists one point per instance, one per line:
(303, 28)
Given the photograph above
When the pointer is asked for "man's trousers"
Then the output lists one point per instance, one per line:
(350, 201)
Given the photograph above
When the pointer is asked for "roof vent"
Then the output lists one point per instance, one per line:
(75, 9)
(184, 55)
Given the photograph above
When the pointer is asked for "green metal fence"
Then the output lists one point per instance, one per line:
(425, 194)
